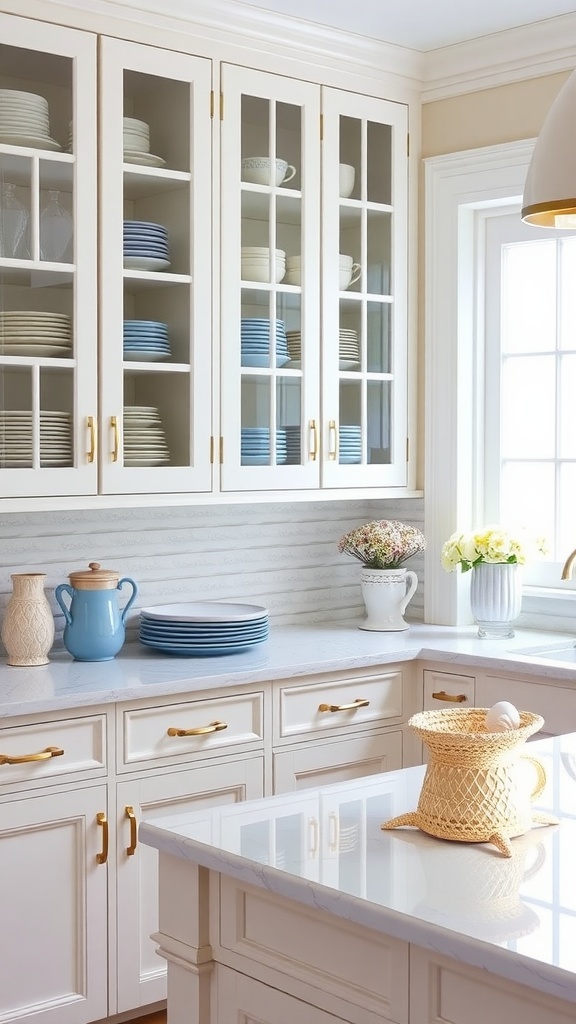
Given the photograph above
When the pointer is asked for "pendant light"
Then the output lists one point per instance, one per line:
(550, 190)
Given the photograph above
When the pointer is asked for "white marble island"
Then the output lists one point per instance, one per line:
(299, 907)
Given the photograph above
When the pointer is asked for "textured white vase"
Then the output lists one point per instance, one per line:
(386, 594)
(496, 598)
(28, 626)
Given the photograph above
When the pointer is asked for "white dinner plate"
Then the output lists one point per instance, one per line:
(141, 263)
(32, 141)
(145, 159)
(205, 611)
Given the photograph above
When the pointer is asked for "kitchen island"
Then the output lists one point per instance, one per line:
(299, 907)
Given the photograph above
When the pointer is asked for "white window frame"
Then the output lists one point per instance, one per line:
(460, 189)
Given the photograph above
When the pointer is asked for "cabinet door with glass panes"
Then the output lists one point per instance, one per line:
(156, 229)
(364, 291)
(47, 260)
(270, 282)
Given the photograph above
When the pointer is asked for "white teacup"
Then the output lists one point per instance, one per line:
(256, 170)
(348, 276)
(347, 176)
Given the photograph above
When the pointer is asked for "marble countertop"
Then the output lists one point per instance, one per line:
(289, 652)
(515, 917)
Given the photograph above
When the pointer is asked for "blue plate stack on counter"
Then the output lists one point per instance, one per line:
(203, 628)
(146, 340)
(255, 446)
(255, 341)
(350, 443)
(145, 245)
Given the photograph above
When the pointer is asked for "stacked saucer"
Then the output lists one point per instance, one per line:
(136, 143)
(294, 341)
(255, 341)
(35, 333)
(145, 245)
(349, 349)
(293, 444)
(350, 443)
(144, 437)
(24, 120)
(255, 446)
(146, 340)
(204, 628)
(17, 439)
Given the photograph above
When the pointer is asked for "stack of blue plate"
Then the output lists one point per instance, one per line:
(255, 446)
(255, 341)
(350, 443)
(145, 245)
(204, 628)
(146, 339)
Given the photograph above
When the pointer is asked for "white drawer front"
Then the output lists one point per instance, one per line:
(176, 732)
(447, 690)
(556, 704)
(365, 700)
(82, 742)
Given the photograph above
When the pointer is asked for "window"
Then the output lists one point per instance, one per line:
(530, 384)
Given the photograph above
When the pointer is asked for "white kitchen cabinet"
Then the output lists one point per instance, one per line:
(347, 758)
(448, 689)
(549, 698)
(156, 358)
(239, 998)
(48, 285)
(314, 336)
(53, 869)
(141, 973)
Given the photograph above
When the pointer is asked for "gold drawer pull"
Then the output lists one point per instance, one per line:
(312, 441)
(360, 703)
(91, 427)
(131, 850)
(453, 698)
(42, 755)
(116, 437)
(202, 730)
(102, 820)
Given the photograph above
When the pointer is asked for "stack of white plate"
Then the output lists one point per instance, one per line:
(350, 443)
(146, 340)
(255, 342)
(349, 349)
(144, 437)
(255, 446)
(293, 444)
(203, 628)
(136, 143)
(255, 264)
(17, 442)
(294, 340)
(145, 245)
(24, 120)
(35, 333)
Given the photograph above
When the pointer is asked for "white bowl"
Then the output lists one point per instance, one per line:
(252, 252)
(257, 170)
(261, 272)
(347, 175)
(293, 277)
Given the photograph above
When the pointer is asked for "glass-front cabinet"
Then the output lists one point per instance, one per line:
(314, 289)
(156, 270)
(364, 289)
(270, 300)
(48, 231)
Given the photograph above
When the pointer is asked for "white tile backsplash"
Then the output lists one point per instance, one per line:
(284, 556)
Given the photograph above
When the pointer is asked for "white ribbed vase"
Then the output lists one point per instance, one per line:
(28, 626)
(496, 598)
(386, 594)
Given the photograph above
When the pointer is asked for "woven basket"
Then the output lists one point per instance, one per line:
(474, 789)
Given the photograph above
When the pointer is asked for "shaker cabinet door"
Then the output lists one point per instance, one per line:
(156, 229)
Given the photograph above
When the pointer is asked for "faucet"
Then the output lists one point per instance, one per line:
(568, 566)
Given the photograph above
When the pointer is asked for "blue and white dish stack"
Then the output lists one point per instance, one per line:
(255, 446)
(203, 628)
(293, 444)
(145, 245)
(350, 443)
(146, 340)
(255, 341)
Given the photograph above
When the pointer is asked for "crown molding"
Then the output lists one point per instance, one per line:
(531, 51)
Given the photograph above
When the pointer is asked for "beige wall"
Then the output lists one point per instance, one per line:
(491, 116)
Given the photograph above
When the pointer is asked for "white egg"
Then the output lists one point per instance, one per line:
(502, 716)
